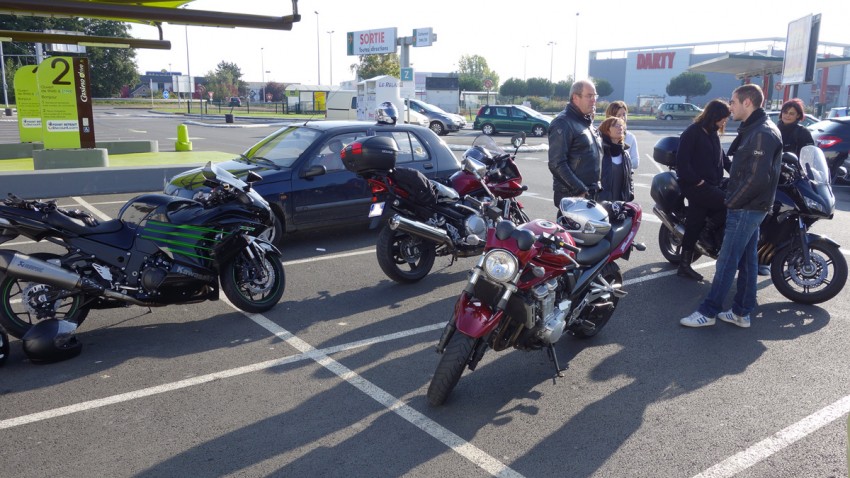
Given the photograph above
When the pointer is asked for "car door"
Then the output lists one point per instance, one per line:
(412, 152)
(335, 195)
(501, 118)
(520, 121)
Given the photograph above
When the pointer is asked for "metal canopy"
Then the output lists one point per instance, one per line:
(745, 65)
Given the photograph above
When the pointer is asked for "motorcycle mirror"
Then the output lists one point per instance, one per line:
(518, 140)
(208, 172)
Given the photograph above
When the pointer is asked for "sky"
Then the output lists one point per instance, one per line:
(515, 38)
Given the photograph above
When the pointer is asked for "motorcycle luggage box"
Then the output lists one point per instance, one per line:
(665, 190)
(665, 150)
(375, 154)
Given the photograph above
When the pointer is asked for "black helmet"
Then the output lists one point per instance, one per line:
(386, 113)
(51, 340)
(4, 346)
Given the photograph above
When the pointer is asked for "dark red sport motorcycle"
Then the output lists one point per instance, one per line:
(537, 281)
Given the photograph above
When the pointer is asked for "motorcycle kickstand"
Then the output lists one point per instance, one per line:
(553, 356)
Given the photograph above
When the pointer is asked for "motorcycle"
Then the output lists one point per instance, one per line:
(805, 267)
(425, 218)
(534, 283)
(161, 250)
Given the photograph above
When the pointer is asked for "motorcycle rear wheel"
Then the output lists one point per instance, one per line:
(254, 287)
(403, 257)
(671, 246)
(22, 300)
(451, 367)
(611, 273)
(812, 283)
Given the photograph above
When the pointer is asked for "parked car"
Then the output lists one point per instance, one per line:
(492, 119)
(833, 137)
(341, 105)
(807, 120)
(235, 101)
(671, 111)
(838, 112)
(440, 121)
(304, 180)
(412, 117)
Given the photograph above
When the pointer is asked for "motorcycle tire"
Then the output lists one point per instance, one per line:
(451, 367)
(611, 273)
(252, 288)
(19, 299)
(812, 284)
(671, 246)
(4, 347)
(403, 257)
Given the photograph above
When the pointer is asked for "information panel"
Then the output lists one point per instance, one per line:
(28, 101)
(67, 120)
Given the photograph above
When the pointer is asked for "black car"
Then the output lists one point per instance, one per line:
(833, 137)
(304, 179)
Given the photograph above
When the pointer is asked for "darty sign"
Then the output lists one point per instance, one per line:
(655, 61)
(371, 42)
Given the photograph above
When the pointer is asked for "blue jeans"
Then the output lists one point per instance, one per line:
(739, 252)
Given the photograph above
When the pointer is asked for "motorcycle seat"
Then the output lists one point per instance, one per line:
(593, 254)
(77, 226)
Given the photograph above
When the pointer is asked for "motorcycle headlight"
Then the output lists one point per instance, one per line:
(500, 265)
(814, 205)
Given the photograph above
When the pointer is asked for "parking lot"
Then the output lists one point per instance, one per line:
(332, 381)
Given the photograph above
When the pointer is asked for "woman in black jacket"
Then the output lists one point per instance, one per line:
(700, 162)
(616, 170)
(794, 135)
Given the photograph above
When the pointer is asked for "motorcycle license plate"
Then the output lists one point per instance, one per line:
(376, 209)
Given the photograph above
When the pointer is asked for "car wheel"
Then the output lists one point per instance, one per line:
(538, 130)
(668, 118)
(438, 128)
(488, 129)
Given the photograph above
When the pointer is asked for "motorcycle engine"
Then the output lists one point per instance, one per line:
(154, 272)
(551, 317)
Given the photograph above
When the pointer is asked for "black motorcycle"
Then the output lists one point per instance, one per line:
(161, 250)
(805, 267)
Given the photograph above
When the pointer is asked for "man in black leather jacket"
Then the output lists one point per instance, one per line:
(575, 147)
(756, 161)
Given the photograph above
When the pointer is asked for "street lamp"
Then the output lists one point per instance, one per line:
(331, 55)
(188, 71)
(575, 52)
(524, 60)
(551, 59)
(318, 53)
(262, 78)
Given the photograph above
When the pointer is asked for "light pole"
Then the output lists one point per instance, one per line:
(331, 55)
(318, 52)
(551, 59)
(575, 51)
(262, 78)
(524, 60)
(188, 72)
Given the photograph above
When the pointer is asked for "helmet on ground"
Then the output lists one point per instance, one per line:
(4, 346)
(386, 113)
(584, 219)
(51, 340)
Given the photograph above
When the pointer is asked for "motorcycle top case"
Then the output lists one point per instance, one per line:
(665, 150)
(375, 154)
(665, 190)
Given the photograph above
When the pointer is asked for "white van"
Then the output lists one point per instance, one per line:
(341, 105)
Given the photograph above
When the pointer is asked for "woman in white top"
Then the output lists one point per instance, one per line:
(618, 109)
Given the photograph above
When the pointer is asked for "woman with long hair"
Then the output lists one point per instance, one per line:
(619, 109)
(700, 162)
(616, 163)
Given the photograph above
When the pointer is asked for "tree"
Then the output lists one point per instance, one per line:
(472, 71)
(277, 90)
(371, 66)
(111, 68)
(689, 84)
(225, 80)
(603, 87)
(514, 87)
(562, 89)
(540, 87)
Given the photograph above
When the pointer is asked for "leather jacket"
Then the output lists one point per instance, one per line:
(575, 153)
(756, 162)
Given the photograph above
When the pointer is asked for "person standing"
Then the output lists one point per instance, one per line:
(618, 109)
(700, 162)
(616, 181)
(756, 160)
(794, 135)
(575, 148)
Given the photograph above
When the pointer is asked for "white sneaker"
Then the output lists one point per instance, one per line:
(732, 318)
(697, 320)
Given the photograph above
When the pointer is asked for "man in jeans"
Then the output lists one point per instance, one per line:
(756, 160)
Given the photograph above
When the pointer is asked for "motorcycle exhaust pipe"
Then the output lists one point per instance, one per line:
(678, 230)
(17, 264)
(425, 231)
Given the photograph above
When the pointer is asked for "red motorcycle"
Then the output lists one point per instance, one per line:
(536, 281)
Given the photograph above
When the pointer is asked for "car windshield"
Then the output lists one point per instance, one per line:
(433, 108)
(530, 111)
(283, 147)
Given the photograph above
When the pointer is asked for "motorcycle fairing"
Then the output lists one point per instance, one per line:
(473, 317)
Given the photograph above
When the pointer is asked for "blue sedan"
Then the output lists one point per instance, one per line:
(304, 179)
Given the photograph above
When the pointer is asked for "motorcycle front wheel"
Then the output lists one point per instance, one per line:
(24, 303)
(818, 281)
(403, 257)
(451, 367)
(254, 285)
(599, 312)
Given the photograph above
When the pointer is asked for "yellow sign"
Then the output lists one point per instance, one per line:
(66, 114)
(29, 104)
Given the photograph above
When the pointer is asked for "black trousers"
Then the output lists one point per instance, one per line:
(704, 202)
